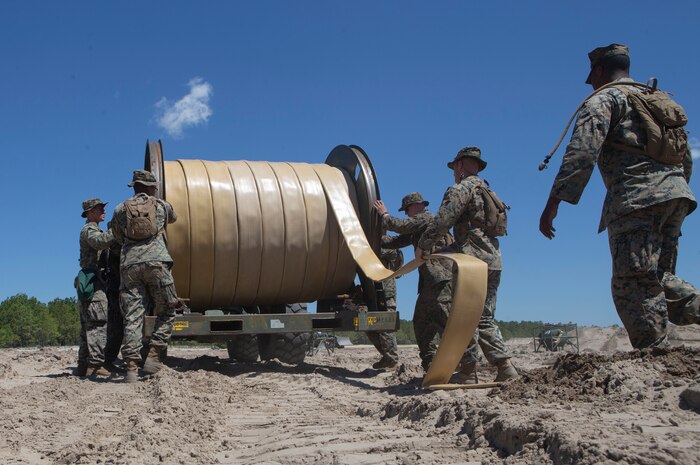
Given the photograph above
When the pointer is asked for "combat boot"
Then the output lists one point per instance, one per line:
(506, 371)
(96, 372)
(115, 370)
(385, 363)
(465, 375)
(81, 369)
(153, 364)
(132, 371)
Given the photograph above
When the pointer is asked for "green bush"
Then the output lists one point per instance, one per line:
(24, 321)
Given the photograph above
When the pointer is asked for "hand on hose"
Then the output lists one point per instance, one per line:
(547, 218)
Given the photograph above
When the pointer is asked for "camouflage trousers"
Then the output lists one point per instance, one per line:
(145, 285)
(385, 343)
(645, 289)
(430, 317)
(93, 330)
(487, 335)
(115, 327)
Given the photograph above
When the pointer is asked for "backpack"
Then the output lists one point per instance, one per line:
(141, 220)
(662, 120)
(495, 212)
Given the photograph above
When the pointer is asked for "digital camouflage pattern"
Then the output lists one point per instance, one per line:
(462, 208)
(93, 313)
(471, 152)
(144, 177)
(488, 335)
(410, 230)
(89, 204)
(147, 250)
(434, 281)
(141, 283)
(410, 199)
(93, 241)
(384, 342)
(644, 208)
(646, 291)
(145, 279)
(632, 180)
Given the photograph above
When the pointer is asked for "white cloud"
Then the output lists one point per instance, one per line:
(191, 110)
(695, 147)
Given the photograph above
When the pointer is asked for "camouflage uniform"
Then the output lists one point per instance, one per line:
(644, 208)
(145, 279)
(434, 281)
(463, 210)
(93, 313)
(385, 342)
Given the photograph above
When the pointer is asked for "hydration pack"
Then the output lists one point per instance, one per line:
(141, 221)
(495, 212)
(662, 120)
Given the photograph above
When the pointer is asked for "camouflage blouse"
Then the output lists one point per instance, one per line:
(632, 180)
(410, 230)
(152, 249)
(462, 210)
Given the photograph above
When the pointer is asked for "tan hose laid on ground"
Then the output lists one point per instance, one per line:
(252, 233)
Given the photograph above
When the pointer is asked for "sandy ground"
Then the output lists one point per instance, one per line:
(607, 405)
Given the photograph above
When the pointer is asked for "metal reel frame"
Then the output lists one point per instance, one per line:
(355, 162)
(153, 162)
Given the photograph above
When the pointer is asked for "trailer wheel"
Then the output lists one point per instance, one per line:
(243, 348)
(286, 347)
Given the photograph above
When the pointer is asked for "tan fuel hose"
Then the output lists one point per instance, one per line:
(262, 232)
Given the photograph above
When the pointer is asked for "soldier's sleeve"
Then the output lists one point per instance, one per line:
(688, 164)
(172, 216)
(404, 226)
(115, 228)
(396, 242)
(590, 131)
(451, 208)
(99, 240)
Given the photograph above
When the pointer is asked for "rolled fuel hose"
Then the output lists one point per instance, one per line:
(256, 232)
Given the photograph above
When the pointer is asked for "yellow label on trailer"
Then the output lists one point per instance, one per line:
(180, 325)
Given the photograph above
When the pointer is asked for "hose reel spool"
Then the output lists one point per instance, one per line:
(253, 233)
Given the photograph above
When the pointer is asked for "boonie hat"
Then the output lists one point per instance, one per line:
(413, 197)
(468, 152)
(598, 54)
(89, 204)
(143, 177)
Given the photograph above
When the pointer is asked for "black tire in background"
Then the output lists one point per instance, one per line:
(286, 347)
(243, 348)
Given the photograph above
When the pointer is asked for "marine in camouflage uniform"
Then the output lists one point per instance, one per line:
(644, 208)
(93, 312)
(385, 342)
(145, 280)
(434, 276)
(463, 209)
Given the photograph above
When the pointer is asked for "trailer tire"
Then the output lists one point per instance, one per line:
(243, 348)
(286, 347)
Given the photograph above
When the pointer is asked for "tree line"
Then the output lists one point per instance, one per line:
(25, 321)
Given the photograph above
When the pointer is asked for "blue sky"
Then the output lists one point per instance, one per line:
(84, 84)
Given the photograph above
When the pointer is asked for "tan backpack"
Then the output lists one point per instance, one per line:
(495, 212)
(663, 121)
(141, 219)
